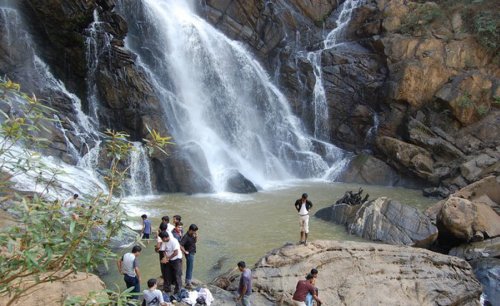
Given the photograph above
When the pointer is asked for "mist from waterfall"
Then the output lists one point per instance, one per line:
(218, 97)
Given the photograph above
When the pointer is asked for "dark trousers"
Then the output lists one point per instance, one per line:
(133, 282)
(172, 275)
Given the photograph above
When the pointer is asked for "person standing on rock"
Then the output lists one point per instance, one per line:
(129, 267)
(177, 231)
(171, 262)
(188, 247)
(245, 285)
(303, 206)
(146, 227)
(302, 289)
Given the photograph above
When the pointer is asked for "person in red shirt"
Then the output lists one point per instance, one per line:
(303, 288)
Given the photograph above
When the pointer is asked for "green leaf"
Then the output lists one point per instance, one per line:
(72, 226)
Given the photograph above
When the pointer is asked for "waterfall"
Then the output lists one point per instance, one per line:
(139, 182)
(333, 39)
(30, 70)
(218, 97)
(98, 42)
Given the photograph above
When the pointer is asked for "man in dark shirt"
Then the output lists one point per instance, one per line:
(303, 288)
(188, 247)
(245, 286)
(303, 205)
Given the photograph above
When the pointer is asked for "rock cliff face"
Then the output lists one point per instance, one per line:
(410, 82)
(83, 43)
(353, 273)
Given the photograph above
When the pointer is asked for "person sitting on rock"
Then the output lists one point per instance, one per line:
(303, 287)
(153, 296)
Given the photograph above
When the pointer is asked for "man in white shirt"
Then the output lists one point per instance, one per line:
(303, 205)
(170, 262)
(129, 267)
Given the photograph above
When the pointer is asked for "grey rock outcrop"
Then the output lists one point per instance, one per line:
(238, 183)
(475, 250)
(383, 220)
(353, 273)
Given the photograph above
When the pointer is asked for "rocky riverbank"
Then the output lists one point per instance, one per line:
(353, 273)
(466, 224)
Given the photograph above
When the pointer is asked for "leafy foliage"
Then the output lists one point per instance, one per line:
(50, 242)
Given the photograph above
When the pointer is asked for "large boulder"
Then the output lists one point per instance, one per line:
(383, 220)
(238, 183)
(56, 292)
(462, 220)
(408, 156)
(353, 273)
(184, 170)
(488, 186)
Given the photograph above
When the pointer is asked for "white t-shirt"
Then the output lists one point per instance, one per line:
(170, 228)
(129, 263)
(303, 210)
(153, 297)
(170, 246)
(71, 202)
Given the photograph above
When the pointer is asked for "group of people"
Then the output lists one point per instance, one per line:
(172, 245)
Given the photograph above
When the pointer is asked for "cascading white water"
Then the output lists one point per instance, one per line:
(139, 182)
(218, 97)
(70, 179)
(333, 39)
(321, 130)
(97, 42)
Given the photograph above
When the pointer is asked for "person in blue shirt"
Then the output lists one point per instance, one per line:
(146, 227)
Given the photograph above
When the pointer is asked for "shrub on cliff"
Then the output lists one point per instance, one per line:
(49, 241)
